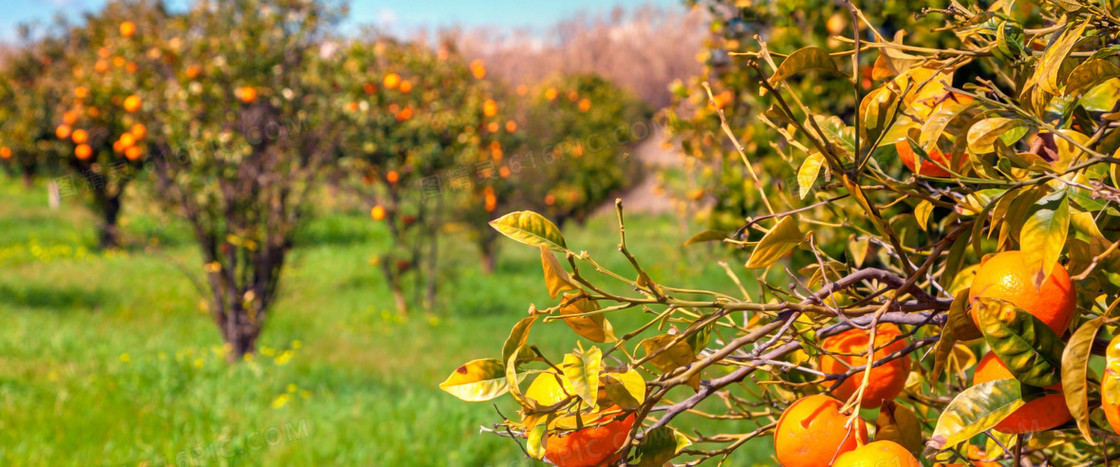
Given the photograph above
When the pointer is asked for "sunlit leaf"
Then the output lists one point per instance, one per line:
(530, 228)
(1075, 374)
(535, 442)
(975, 410)
(555, 276)
(1026, 345)
(808, 173)
(1089, 74)
(477, 380)
(983, 135)
(898, 423)
(594, 327)
(659, 446)
(673, 357)
(517, 337)
(706, 236)
(958, 327)
(922, 212)
(1048, 73)
(627, 390)
(581, 369)
(802, 60)
(777, 243)
(1043, 237)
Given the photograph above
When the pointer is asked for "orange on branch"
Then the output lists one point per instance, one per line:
(5, 152)
(478, 68)
(247, 94)
(935, 165)
(377, 213)
(128, 29)
(393, 176)
(193, 71)
(1111, 380)
(133, 153)
(69, 117)
(1007, 276)
(1040, 414)
(489, 108)
(591, 446)
(131, 103)
(83, 152)
(849, 349)
(80, 92)
(878, 454)
(511, 126)
(405, 114)
(813, 432)
(62, 131)
(127, 140)
(406, 86)
(139, 131)
(584, 105)
(79, 136)
(391, 81)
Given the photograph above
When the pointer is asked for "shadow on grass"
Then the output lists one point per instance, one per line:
(53, 298)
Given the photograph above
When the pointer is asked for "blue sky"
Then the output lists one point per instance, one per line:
(401, 14)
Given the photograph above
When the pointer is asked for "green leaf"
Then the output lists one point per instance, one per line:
(1029, 348)
(804, 59)
(1048, 73)
(659, 446)
(974, 411)
(530, 228)
(838, 133)
(581, 369)
(808, 173)
(477, 380)
(710, 235)
(555, 276)
(628, 389)
(1089, 74)
(983, 135)
(593, 327)
(1075, 374)
(517, 337)
(1043, 237)
(958, 327)
(776, 244)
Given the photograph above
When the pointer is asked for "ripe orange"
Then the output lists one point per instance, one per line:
(511, 126)
(584, 105)
(406, 86)
(101, 66)
(79, 136)
(551, 93)
(1111, 377)
(132, 103)
(489, 108)
(478, 68)
(591, 446)
(850, 349)
(878, 453)
(1040, 414)
(139, 131)
(377, 213)
(128, 29)
(247, 94)
(83, 152)
(127, 140)
(812, 433)
(391, 81)
(1006, 276)
(133, 153)
(929, 168)
(836, 23)
(62, 131)
(5, 152)
(193, 71)
(80, 92)
(393, 176)
(69, 117)
(404, 114)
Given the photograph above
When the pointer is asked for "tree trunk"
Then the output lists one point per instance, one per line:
(240, 333)
(488, 262)
(110, 210)
(28, 181)
(399, 297)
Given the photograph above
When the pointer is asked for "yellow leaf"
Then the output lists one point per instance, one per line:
(777, 243)
(555, 276)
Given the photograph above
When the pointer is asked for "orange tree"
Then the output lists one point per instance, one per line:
(246, 126)
(1001, 241)
(100, 117)
(426, 132)
(30, 87)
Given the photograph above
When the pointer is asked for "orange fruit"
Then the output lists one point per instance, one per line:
(551, 93)
(511, 126)
(878, 453)
(5, 152)
(1040, 414)
(83, 152)
(406, 86)
(812, 433)
(101, 66)
(836, 23)
(128, 29)
(193, 71)
(1111, 378)
(377, 213)
(133, 153)
(132, 103)
(393, 176)
(591, 446)
(849, 349)
(80, 92)
(247, 94)
(139, 131)
(489, 108)
(62, 131)
(127, 140)
(404, 114)
(79, 136)
(69, 117)
(478, 68)
(1006, 276)
(584, 105)
(928, 168)
(391, 81)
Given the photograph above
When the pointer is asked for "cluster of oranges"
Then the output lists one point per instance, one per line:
(814, 431)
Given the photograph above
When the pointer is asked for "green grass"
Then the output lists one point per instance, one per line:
(110, 358)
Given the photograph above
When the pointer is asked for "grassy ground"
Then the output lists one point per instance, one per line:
(109, 358)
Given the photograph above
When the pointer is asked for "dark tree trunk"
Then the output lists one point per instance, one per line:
(240, 332)
(28, 179)
(110, 211)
